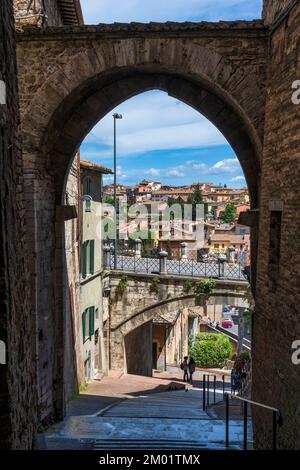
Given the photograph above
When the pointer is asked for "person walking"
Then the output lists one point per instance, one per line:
(192, 368)
(185, 367)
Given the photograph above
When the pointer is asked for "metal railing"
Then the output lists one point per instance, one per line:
(206, 389)
(276, 419)
(183, 268)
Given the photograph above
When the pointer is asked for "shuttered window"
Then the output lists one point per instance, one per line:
(88, 258)
(92, 256)
(83, 259)
(84, 325)
(91, 321)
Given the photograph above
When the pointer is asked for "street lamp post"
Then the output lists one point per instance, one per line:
(115, 116)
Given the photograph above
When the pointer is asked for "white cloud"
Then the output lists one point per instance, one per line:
(175, 172)
(153, 172)
(154, 121)
(109, 11)
(230, 165)
(238, 178)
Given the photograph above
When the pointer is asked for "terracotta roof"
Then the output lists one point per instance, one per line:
(95, 167)
(231, 238)
(169, 318)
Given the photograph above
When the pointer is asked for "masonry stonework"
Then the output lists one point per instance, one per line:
(272, 9)
(143, 299)
(276, 380)
(240, 76)
(18, 412)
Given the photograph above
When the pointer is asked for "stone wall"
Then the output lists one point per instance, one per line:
(73, 354)
(39, 13)
(276, 380)
(272, 9)
(18, 376)
(142, 300)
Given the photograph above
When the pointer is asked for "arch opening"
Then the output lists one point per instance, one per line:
(89, 103)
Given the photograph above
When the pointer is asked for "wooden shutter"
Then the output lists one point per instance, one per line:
(83, 325)
(92, 256)
(83, 270)
(92, 321)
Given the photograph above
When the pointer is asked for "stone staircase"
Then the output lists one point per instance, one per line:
(160, 421)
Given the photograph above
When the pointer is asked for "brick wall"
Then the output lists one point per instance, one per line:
(18, 376)
(272, 9)
(276, 379)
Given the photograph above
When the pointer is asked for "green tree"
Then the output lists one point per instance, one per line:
(210, 350)
(229, 213)
(194, 199)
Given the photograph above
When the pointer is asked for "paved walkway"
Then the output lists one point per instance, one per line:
(133, 412)
(117, 387)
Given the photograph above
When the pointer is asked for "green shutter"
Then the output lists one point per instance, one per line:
(83, 254)
(92, 255)
(92, 321)
(83, 325)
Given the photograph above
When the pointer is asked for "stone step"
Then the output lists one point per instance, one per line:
(168, 444)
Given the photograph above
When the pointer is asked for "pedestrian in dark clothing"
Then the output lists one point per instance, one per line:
(192, 368)
(185, 367)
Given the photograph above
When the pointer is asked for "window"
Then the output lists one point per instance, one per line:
(87, 257)
(88, 205)
(96, 337)
(88, 323)
(87, 186)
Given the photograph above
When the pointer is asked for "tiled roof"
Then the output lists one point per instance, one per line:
(169, 317)
(231, 238)
(95, 167)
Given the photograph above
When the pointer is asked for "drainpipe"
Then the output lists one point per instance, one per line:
(165, 341)
(181, 352)
(109, 326)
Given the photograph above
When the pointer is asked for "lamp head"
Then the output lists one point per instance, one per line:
(117, 116)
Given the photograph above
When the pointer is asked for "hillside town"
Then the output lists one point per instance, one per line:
(223, 231)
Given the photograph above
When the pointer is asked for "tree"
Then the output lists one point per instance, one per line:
(210, 350)
(195, 199)
(229, 214)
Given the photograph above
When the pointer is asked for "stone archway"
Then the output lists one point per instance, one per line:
(131, 332)
(69, 79)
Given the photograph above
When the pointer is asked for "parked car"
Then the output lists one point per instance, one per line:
(227, 323)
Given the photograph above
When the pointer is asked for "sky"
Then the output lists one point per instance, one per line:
(160, 137)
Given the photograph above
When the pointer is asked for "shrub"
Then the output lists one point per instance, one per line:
(210, 350)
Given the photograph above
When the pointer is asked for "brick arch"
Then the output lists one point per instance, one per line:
(70, 128)
(80, 78)
(70, 78)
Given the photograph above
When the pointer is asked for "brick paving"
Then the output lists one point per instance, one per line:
(115, 388)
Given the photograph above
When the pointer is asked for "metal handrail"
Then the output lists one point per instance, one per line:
(188, 268)
(277, 418)
(206, 388)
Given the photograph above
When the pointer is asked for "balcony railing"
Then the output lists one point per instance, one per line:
(182, 268)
